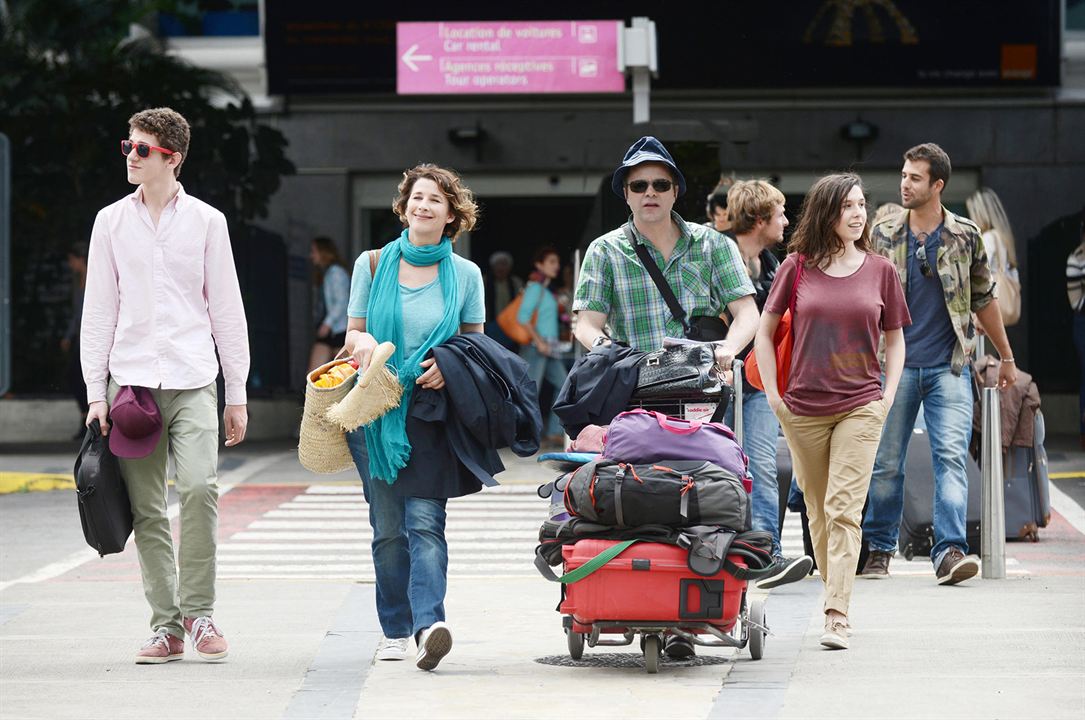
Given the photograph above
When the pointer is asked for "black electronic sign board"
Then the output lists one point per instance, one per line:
(349, 47)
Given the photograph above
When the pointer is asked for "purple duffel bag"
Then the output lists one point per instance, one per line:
(643, 436)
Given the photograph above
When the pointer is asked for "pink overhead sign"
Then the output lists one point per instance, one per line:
(508, 57)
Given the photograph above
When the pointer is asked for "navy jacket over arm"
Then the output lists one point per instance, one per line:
(488, 402)
(598, 387)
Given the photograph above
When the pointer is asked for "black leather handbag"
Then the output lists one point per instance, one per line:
(104, 509)
(680, 371)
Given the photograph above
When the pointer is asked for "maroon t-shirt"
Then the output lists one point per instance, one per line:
(836, 328)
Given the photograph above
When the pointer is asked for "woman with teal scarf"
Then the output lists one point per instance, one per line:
(419, 296)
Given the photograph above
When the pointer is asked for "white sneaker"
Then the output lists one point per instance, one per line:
(392, 648)
(836, 634)
(433, 644)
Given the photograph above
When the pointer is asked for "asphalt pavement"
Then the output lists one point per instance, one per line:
(303, 629)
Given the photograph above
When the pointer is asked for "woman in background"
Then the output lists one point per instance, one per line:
(330, 276)
(539, 317)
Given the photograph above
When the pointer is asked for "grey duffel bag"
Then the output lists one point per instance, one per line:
(677, 493)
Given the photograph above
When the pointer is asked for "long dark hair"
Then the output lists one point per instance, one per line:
(815, 237)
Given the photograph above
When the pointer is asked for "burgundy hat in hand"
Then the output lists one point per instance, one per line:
(137, 423)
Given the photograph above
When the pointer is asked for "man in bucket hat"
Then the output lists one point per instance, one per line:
(161, 295)
(615, 297)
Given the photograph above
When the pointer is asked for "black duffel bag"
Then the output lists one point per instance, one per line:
(104, 508)
(676, 493)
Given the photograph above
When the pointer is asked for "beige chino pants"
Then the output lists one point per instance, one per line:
(833, 457)
(190, 432)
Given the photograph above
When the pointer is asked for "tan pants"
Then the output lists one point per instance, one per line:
(190, 433)
(833, 457)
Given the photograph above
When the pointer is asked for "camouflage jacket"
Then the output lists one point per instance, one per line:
(961, 265)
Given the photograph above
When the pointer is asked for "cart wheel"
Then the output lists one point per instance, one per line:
(757, 634)
(651, 654)
(576, 644)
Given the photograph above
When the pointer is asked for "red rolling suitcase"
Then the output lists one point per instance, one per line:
(649, 590)
(649, 582)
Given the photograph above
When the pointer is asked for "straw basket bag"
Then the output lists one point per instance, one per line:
(322, 445)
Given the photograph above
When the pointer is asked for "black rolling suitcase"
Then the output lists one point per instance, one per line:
(104, 509)
(917, 520)
(1027, 491)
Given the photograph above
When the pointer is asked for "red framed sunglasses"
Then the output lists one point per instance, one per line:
(142, 149)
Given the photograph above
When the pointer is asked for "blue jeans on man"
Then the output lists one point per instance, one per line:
(410, 552)
(946, 400)
(760, 429)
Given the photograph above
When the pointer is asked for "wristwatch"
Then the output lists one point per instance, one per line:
(600, 340)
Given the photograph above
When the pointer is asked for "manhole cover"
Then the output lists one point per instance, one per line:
(628, 660)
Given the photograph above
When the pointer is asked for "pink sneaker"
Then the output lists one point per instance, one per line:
(161, 648)
(207, 640)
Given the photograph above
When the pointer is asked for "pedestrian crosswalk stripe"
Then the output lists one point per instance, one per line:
(368, 535)
(323, 532)
(520, 528)
(354, 511)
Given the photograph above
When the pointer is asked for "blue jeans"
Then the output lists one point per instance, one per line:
(760, 429)
(410, 553)
(947, 409)
(551, 369)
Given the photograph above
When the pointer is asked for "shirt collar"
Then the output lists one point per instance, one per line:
(686, 235)
(178, 202)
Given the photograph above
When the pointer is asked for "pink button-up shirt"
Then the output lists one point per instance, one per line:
(158, 300)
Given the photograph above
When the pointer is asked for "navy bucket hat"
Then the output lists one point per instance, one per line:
(647, 149)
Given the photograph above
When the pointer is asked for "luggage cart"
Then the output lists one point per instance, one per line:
(625, 599)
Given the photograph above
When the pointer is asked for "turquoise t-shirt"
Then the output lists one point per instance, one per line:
(423, 306)
(537, 296)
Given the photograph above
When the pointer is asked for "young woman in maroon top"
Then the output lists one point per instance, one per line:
(834, 405)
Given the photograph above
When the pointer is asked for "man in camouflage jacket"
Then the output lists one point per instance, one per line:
(943, 268)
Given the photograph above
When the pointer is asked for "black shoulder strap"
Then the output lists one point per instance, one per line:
(657, 277)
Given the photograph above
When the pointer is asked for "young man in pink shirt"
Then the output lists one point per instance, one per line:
(161, 295)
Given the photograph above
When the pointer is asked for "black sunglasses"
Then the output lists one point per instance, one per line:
(641, 186)
(921, 256)
(142, 149)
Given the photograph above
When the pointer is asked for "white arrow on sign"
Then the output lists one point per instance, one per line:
(409, 57)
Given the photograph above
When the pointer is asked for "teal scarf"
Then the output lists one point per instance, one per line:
(386, 437)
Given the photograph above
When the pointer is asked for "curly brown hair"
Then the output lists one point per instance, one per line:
(168, 126)
(815, 237)
(461, 200)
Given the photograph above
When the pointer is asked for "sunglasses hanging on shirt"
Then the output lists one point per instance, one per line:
(921, 256)
(142, 149)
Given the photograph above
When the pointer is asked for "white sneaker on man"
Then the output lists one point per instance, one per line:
(433, 644)
(392, 648)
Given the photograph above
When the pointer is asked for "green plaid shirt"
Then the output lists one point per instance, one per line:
(705, 271)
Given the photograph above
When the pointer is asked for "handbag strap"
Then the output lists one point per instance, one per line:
(656, 274)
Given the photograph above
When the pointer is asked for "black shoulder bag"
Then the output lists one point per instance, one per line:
(702, 329)
(104, 509)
